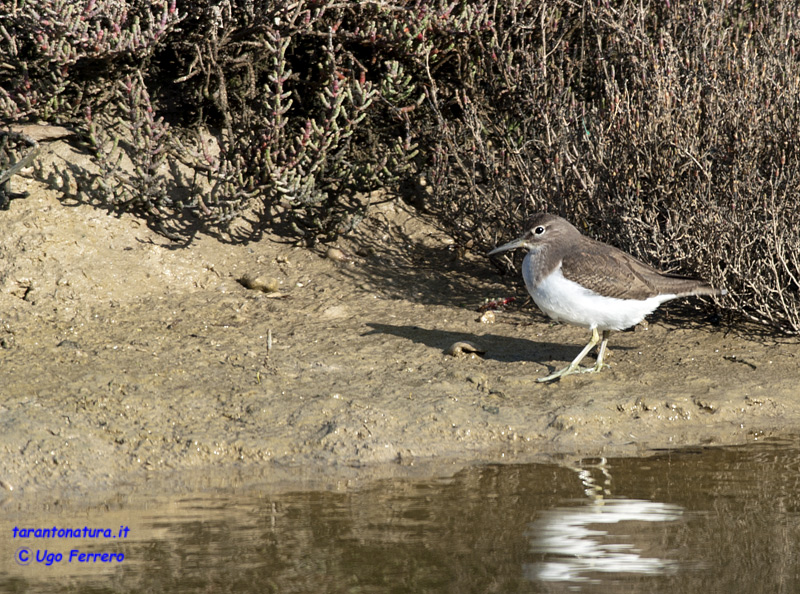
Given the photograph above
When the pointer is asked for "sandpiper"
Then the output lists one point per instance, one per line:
(584, 282)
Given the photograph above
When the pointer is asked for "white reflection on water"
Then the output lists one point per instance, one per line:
(572, 548)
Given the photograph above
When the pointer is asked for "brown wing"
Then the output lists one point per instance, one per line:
(611, 272)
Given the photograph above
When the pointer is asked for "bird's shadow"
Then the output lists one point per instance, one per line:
(497, 347)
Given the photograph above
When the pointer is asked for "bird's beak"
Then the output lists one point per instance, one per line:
(508, 246)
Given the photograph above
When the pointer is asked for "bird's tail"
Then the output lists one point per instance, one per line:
(683, 286)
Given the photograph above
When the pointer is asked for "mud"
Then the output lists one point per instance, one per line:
(130, 362)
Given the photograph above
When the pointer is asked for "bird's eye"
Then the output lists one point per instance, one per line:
(539, 230)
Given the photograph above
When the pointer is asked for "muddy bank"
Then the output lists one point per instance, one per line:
(126, 358)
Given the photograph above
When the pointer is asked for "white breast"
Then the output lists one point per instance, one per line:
(567, 301)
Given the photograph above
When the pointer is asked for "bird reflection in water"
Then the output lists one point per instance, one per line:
(606, 535)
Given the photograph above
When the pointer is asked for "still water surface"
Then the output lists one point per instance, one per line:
(698, 520)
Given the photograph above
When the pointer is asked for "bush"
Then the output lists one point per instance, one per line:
(668, 129)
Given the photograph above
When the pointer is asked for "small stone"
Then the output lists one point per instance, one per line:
(265, 284)
(463, 348)
(488, 317)
(69, 344)
(337, 255)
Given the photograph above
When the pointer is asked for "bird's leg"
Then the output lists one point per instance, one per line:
(573, 367)
(601, 353)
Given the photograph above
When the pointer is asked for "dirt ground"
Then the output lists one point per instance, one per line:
(129, 362)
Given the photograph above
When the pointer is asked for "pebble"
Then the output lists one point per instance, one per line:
(265, 284)
(463, 348)
(337, 255)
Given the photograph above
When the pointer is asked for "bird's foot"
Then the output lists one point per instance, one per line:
(598, 366)
(568, 370)
(571, 369)
(574, 367)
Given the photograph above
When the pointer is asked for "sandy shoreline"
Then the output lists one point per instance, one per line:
(130, 361)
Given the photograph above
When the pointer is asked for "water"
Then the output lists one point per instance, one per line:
(698, 520)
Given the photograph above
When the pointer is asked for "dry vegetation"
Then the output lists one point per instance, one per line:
(667, 128)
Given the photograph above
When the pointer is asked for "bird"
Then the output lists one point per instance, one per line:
(581, 281)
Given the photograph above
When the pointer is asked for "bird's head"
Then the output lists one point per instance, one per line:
(541, 229)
